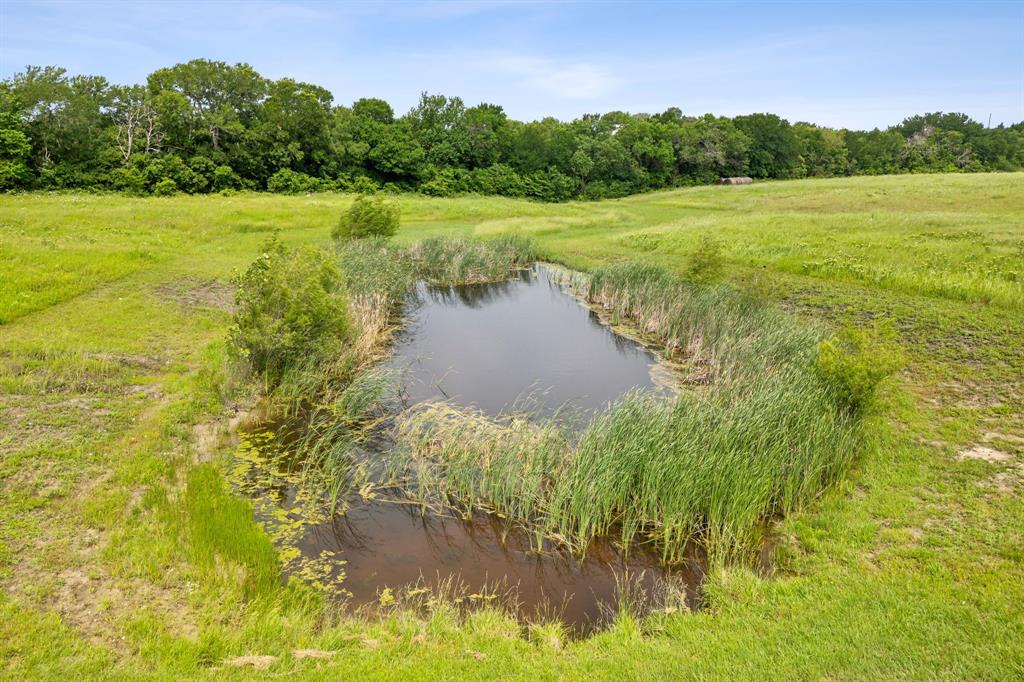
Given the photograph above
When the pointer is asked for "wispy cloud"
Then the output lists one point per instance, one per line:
(828, 62)
(555, 78)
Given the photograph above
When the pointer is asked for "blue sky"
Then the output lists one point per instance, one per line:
(856, 65)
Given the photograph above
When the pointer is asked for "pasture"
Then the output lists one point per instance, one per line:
(123, 553)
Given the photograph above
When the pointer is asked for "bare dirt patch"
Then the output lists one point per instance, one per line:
(984, 453)
(88, 597)
(255, 660)
(194, 294)
(312, 653)
(217, 434)
(130, 360)
(1008, 437)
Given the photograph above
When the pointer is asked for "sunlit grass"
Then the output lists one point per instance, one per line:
(911, 568)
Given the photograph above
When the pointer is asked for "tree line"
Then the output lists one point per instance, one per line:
(209, 126)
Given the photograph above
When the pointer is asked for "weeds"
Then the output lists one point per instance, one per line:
(854, 361)
(372, 267)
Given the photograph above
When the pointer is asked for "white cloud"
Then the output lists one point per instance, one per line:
(581, 80)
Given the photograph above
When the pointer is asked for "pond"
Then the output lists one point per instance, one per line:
(522, 344)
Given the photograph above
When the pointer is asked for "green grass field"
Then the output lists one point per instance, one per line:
(122, 556)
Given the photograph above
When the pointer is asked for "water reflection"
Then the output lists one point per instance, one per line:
(388, 544)
(493, 346)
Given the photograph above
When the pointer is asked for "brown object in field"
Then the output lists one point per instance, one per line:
(734, 181)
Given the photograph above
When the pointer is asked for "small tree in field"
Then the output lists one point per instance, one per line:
(368, 216)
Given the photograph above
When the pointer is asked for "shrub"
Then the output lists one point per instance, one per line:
(363, 185)
(292, 309)
(225, 178)
(202, 173)
(368, 216)
(549, 185)
(442, 183)
(165, 188)
(705, 264)
(287, 181)
(156, 169)
(128, 180)
(854, 361)
(497, 179)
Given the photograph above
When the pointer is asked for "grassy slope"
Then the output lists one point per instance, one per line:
(111, 348)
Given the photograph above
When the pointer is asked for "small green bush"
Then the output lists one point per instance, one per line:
(128, 180)
(362, 185)
(165, 188)
(287, 181)
(368, 216)
(855, 361)
(225, 178)
(292, 309)
(706, 265)
(158, 168)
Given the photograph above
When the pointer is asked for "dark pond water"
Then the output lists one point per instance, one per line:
(522, 342)
(389, 544)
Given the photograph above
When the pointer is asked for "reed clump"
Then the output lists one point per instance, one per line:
(448, 262)
(468, 458)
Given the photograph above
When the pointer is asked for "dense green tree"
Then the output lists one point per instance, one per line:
(487, 135)
(774, 149)
(395, 154)
(15, 144)
(874, 152)
(374, 110)
(710, 148)
(823, 151)
(437, 124)
(65, 119)
(224, 99)
(206, 126)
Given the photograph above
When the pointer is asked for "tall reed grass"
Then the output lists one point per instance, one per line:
(448, 262)
(763, 435)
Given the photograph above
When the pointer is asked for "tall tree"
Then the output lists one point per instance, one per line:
(223, 98)
(774, 149)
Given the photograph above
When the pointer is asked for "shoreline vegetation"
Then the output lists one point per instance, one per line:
(763, 425)
(125, 552)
